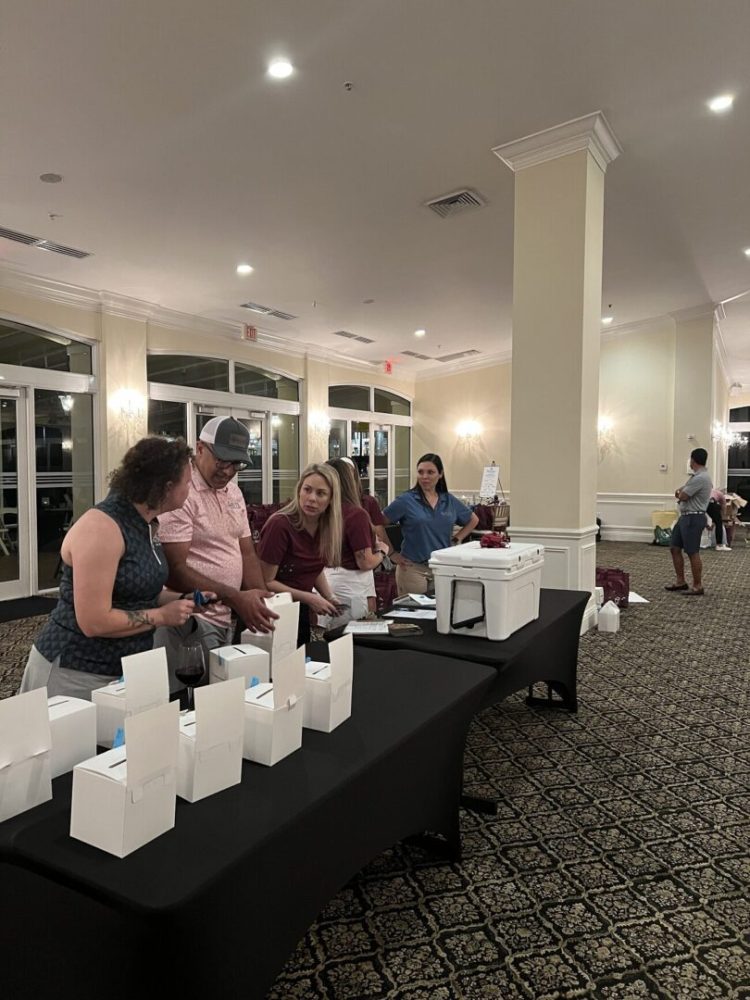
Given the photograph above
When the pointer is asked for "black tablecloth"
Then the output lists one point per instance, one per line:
(214, 907)
(543, 650)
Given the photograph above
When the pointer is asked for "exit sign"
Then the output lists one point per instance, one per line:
(388, 367)
(249, 333)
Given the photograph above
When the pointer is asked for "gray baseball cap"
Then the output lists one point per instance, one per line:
(229, 439)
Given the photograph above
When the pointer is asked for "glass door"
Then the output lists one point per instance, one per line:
(64, 473)
(15, 562)
(360, 452)
(380, 486)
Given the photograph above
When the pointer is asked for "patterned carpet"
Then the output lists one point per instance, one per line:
(617, 865)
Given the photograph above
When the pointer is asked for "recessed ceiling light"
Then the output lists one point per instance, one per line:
(746, 251)
(419, 333)
(721, 103)
(606, 320)
(244, 269)
(280, 69)
(50, 178)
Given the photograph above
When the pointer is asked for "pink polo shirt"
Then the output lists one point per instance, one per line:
(213, 521)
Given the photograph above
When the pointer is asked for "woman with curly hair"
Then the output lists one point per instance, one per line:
(112, 594)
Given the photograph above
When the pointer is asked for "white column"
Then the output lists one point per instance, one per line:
(557, 279)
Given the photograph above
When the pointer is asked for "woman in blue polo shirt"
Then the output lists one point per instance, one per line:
(426, 514)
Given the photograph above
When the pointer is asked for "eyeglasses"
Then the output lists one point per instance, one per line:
(223, 463)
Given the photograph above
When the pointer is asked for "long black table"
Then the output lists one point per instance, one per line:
(545, 650)
(214, 907)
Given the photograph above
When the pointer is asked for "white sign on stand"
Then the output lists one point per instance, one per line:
(24, 753)
(490, 482)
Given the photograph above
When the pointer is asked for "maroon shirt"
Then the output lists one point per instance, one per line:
(294, 552)
(372, 507)
(357, 534)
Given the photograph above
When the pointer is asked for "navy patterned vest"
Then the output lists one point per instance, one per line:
(141, 574)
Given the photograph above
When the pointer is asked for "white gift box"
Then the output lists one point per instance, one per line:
(72, 723)
(282, 642)
(211, 741)
(146, 685)
(125, 797)
(24, 753)
(273, 712)
(328, 688)
(245, 660)
(487, 593)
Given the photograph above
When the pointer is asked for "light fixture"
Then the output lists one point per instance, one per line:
(67, 444)
(50, 178)
(420, 333)
(244, 269)
(606, 320)
(66, 402)
(130, 407)
(722, 434)
(605, 435)
(746, 251)
(319, 422)
(469, 430)
(280, 69)
(721, 103)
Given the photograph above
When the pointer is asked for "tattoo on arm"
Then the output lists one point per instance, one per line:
(138, 618)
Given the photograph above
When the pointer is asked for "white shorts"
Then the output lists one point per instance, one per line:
(352, 587)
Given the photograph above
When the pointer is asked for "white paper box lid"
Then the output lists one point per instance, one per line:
(111, 764)
(60, 705)
(227, 653)
(473, 555)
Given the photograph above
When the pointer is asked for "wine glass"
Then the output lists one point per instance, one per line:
(191, 668)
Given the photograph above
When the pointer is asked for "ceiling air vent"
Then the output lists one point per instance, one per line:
(414, 354)
(266, 311)
(352, 336)
(455, 357)
(36, 241)
(457, 201)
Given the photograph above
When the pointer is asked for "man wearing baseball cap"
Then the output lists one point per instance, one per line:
(209, 546)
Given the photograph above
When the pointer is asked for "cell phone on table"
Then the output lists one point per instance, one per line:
(404, 628)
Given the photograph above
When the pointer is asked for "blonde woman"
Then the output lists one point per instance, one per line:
(361, 552)
(302, 538)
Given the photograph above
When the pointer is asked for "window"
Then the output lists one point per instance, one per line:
(739, 415)
(251, 381)
(179, 369)
(350, 397)
(20, 345)
(389, 402)
(285, 451)
(167, 419)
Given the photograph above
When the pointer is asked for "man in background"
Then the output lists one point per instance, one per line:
(693, 500)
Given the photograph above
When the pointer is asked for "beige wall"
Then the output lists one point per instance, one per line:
(636, 392)
(442, 403)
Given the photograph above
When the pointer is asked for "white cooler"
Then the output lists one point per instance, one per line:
(487, 593)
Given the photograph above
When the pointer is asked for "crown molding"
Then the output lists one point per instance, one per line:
(694, 312)
(590, 132)
(17, 280)
(460, 366)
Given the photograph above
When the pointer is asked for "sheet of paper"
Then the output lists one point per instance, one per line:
(423, 600)
(289, 677)
(146, 679)
(634, 598)
(219, 713)
(367, 628)
(24, 725)
(151, 741)
(430, 615)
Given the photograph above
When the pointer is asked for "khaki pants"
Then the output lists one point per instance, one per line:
(413, 578)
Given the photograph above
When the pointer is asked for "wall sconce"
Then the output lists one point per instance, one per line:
(605, 436)
(721, 434)
(130, 408)
(469, 430)
(319, 423)
(66, 402)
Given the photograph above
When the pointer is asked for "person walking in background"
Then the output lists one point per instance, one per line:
(426, 513)
(693, 500)
(715, 510)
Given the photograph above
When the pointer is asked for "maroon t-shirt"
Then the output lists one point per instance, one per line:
(294, 552)
(372, 507)
(357, 534)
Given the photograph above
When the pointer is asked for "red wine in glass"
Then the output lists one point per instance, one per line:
(190, 669)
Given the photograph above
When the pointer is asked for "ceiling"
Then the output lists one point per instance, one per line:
(181, 158)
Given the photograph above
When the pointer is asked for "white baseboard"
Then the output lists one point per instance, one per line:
(626, 533)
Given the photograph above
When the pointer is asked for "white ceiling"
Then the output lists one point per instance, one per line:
(181, 158)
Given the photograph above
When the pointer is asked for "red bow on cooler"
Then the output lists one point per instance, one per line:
(495, 540)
